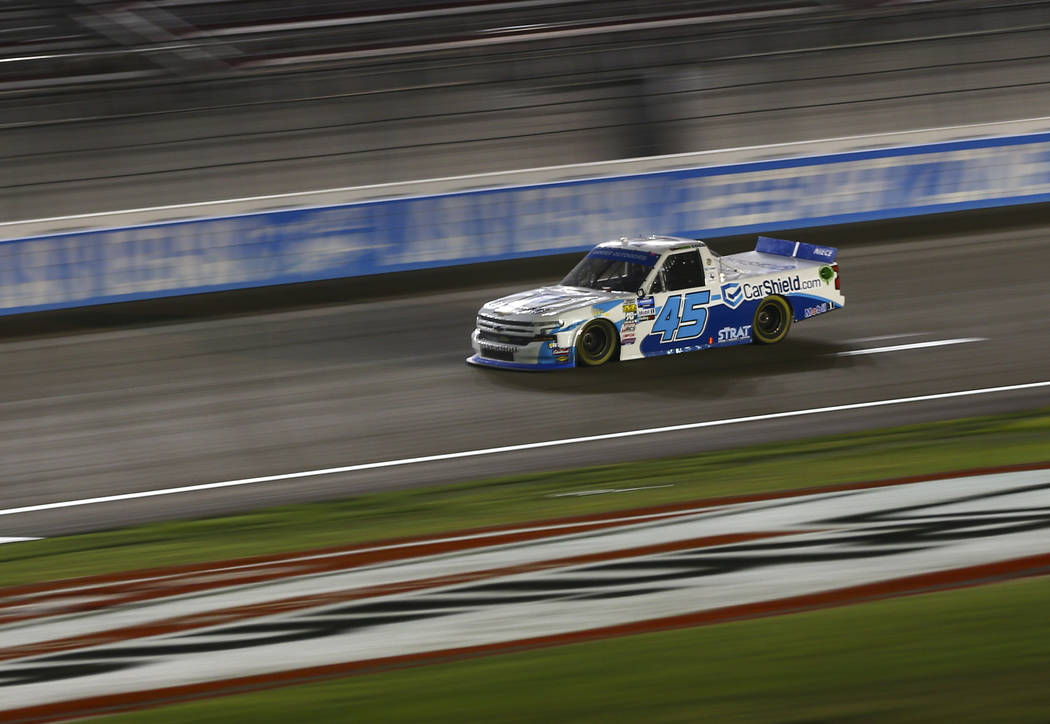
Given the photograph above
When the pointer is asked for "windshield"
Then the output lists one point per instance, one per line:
(611, 270)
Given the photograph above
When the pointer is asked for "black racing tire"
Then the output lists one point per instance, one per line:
(596, 343)
(772, 320)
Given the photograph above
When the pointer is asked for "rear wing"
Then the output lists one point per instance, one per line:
(797, 249)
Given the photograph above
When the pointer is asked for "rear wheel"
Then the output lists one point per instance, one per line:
(596, 343)
(772, 320)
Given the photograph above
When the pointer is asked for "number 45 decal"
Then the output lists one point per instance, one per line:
(680, 321)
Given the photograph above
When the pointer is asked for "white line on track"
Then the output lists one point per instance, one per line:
(15, 540)
(606, 491)
(520, 447)
(881, 337)
(913, 345)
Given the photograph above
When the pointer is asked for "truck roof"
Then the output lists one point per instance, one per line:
(653, 244)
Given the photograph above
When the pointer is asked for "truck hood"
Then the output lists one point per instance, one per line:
(550, 301)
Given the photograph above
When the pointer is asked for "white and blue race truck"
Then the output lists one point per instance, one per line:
(647, 296)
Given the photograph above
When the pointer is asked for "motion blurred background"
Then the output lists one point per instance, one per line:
(336, 410)
(114, 105)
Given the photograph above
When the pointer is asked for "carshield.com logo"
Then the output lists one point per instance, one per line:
(732, 295)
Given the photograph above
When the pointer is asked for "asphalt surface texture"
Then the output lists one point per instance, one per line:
(241, 390)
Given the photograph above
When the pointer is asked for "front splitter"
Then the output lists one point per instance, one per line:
(519, 366)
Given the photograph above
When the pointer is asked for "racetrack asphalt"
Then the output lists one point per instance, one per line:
(143, 407)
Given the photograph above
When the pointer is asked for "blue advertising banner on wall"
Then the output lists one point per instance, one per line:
(374, 237)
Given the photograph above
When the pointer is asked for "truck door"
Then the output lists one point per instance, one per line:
(673, 316)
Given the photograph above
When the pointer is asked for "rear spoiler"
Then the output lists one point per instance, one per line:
(781, 247)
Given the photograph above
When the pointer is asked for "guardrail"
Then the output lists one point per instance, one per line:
(465, 220)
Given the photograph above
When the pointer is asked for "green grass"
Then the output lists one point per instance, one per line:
(904, 451)
(975, 655)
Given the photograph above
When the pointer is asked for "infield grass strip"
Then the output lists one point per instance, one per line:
(898, 452)
(976, 654)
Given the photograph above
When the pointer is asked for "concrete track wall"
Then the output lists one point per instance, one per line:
(531, 213)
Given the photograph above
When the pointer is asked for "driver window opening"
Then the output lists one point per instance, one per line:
(683, 271)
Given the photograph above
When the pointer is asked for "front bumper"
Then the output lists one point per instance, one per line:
(534, 356)
(521, 366)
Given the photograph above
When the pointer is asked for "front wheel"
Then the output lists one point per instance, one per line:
(772, 320)
(596, 343)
